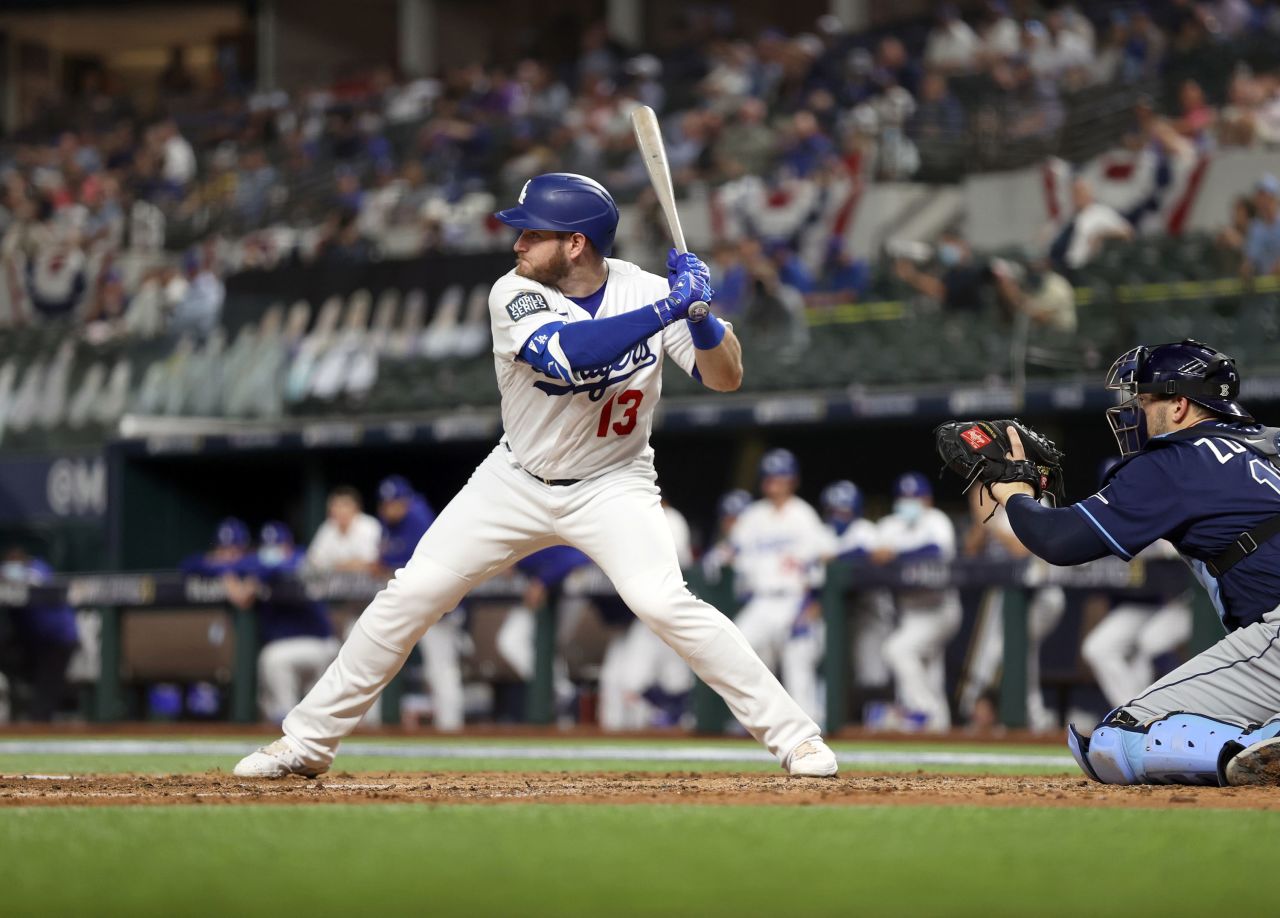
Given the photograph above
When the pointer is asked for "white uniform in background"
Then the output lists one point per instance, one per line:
(637, 659)
(778, 558)
(1123, 647)
(331, 548)
(871, 618)
(1044, 612)
(593, 432)
(927, 619)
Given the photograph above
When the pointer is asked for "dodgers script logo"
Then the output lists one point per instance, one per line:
(526, 304)
(595, 382)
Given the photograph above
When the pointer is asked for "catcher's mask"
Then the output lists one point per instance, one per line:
(1187, 368)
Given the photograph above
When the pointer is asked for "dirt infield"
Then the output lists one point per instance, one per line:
(616, 788)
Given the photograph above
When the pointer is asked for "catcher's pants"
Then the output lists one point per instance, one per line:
(634, 661)
(287, 668)
(767, 621)
(442, 672)
(1122, 648)
(1044, 612)
(503, 514)
(1237, 680)
(916, 653)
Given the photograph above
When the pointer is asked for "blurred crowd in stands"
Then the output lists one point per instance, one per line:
(378, 167)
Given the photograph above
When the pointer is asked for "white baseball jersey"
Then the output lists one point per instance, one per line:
(779, 549)
(902, 536)
(602, 419)
(331, 546)
(859, 534)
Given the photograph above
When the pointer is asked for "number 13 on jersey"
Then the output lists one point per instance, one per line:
(629, 404)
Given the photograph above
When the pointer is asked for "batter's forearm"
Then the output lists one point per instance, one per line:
(720, 367)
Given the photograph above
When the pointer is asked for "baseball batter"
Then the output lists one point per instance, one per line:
(1200, 472)
(579, 341)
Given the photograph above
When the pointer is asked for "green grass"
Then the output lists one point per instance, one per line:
(633, 860)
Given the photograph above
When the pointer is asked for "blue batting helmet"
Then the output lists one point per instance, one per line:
(779, 462)
(394, 487)
(1187, 368)
(568, 203)
(231, 533)
(275, 533)
(912, 484)
(843, 497)
(733, 503)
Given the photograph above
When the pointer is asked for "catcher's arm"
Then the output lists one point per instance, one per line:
(1058, 535)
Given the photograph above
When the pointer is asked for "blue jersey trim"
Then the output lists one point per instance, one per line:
(1208, 672)
(1106, 535)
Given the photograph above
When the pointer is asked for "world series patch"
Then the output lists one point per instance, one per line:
(526, 304)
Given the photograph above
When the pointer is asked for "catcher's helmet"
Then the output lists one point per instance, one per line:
(842, 498)
(568, 203)
(734, 502)
(1187, 368)
(779, 462)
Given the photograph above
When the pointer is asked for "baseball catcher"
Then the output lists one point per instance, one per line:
(1196, 469)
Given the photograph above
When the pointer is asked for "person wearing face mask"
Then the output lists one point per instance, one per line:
(45, 636)
(927, 619)
(406, 516)
(958, 283)
(296, 637)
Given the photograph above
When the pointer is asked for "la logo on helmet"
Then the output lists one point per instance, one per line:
(523, 192)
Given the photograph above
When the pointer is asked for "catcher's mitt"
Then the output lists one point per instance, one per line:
(978, 451)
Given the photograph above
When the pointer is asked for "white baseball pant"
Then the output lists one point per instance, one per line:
(1122, 648)
(504, 513)
(916, 653)
(287, 668)
(766, 621)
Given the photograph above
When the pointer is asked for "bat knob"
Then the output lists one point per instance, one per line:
(698, 311)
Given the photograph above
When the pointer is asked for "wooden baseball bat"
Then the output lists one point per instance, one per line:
(654, 152)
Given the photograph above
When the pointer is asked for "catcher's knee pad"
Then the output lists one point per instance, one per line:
(1177, 749)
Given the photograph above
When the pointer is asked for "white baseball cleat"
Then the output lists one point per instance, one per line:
(812, 759)
(277, 760)
(1256, 764)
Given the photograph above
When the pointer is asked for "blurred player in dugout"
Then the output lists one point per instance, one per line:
(406, 516)
(296, 636)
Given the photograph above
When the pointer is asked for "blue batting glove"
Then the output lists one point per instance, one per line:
(689, 288)
(686, 262)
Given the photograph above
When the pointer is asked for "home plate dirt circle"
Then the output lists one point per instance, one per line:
(217, 787)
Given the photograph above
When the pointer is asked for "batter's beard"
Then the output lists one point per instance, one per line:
(555, 270)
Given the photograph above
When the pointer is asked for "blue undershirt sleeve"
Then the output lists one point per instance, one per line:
(590, 345)
(1059, 536)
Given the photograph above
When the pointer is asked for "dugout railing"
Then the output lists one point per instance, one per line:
(134, 594)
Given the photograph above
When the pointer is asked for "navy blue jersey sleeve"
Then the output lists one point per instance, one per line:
(1147, 500)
